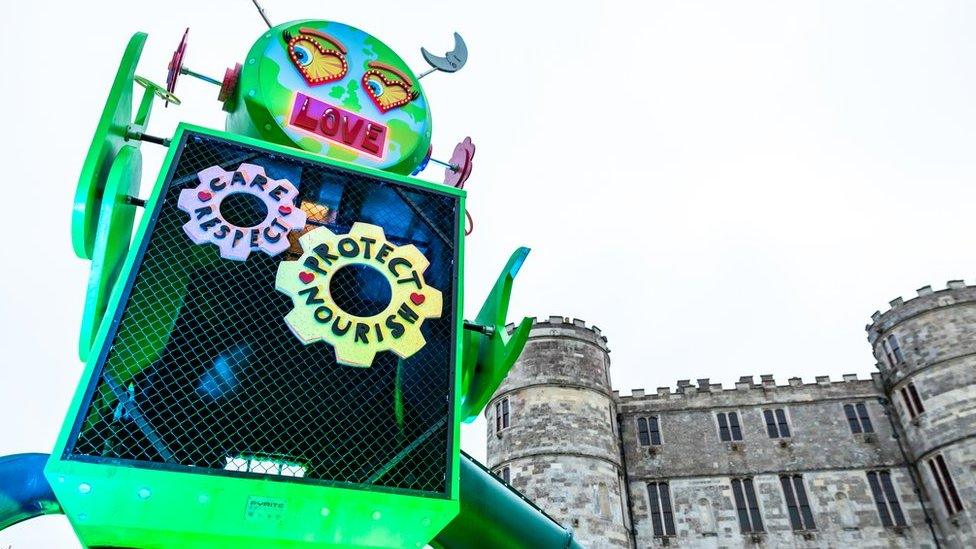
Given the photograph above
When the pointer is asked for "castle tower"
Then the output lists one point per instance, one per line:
(926, 351)
(552, 432)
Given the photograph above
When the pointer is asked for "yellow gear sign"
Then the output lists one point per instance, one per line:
(356, 340)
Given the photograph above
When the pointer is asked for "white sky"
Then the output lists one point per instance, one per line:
(725, 188)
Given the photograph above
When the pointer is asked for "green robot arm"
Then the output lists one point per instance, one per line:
(489, 350)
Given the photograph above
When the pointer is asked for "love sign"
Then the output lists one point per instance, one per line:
(338, 125)
(316, 315)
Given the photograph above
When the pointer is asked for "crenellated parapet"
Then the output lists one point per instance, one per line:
(703, 388)
(927, 299)
(934, 330)
(564, 326)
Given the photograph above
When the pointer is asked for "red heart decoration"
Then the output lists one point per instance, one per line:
(204, 196)
(417, 298)
(284, 210)
(306, 277)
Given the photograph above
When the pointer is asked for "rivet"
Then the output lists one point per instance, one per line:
(325, 511)
(144, 493)
(84, 488)
(376, 515)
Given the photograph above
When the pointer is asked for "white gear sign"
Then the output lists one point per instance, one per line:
(207, 224)
(356, 340)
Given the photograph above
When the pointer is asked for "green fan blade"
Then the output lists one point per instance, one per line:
(115, 220)
(488, 358)
(109, 138)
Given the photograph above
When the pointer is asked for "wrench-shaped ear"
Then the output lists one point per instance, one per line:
(490, 351)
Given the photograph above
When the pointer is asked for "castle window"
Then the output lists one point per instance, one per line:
(728, 426)
(912, 402)
(892, 350)
(801, 517)
(885, 498)
(857, 418)
(501, 415)
(648, 431)
(776, 424)
(662, 517)
(947, 488)
(746, 505)
(506, 475)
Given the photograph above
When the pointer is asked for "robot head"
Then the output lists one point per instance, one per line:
(333, 90)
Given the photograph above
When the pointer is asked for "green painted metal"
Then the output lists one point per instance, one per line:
(115, 222)
(115, 129)
(106, 502)
(119, 506)
(492, 514)
(488, 358)
(495, 515)
(110, 135)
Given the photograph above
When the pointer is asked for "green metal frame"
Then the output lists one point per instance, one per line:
(112, 504)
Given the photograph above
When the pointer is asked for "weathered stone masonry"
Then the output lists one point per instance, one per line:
(572, 443)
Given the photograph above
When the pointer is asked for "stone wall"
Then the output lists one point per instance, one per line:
(561, 447)
(573, 446)
(821, 437)
(832, 460)
(936, 336)
(843, 509)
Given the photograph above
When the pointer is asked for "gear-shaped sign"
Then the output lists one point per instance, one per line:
(356, 339)
(207, 223)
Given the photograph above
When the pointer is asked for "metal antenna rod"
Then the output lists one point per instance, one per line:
(451, 167)
(205, 78)
(425, 73)
(262, 13)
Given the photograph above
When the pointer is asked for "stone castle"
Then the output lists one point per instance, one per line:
(883, 462)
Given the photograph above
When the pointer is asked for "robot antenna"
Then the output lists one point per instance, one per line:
(262, 13)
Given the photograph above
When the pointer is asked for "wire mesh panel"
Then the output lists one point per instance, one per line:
(202, 371)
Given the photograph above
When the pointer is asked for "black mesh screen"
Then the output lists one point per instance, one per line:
(202, 370)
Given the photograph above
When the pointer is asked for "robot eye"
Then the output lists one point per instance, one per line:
(317, 56)
(388, 86)
(375, 87)
(302, 55)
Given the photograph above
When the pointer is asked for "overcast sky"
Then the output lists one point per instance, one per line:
(724, 188)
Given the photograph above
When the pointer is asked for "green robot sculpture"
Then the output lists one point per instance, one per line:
(278, 357)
